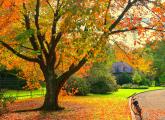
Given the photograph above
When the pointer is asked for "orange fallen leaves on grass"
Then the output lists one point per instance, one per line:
(76, 108)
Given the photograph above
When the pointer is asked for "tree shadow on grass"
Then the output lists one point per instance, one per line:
(101, 94)
(38, 109)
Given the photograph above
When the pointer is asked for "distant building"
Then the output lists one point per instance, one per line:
(121, 67)
(123, 72)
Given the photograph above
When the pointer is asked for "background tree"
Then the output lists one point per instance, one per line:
(158, 61)
(99, 76)
(48, 32)
(136, 78)
(124, 78)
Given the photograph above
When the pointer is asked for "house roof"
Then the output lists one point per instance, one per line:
(120, 67)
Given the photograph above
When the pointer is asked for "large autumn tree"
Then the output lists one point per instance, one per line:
(54, 33)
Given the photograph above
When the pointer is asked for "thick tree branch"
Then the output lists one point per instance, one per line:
(51, 59)
(32, 39)
(27, 26)
(40, 37)
(105, 20)
(37, 15)
(55, 20)
(129, 5)
(18, 54)
(72, 69)
(55, 37)
(54, 42)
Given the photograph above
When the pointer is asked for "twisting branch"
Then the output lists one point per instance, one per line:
(50, 5)
(58, 5)
(105, 21)
(40, 37)
(51, 59)
(37, 15)
(72, 69)
(55, 20)
(55, 37)
(32, 39)
(135, 28)
(55, 42)
(17, 53)
(129, 5)
(27, 26)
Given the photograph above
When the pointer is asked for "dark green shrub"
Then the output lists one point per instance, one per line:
(10, 80)
(102, 84)
(124, 78)
(100, 79)
(162, 79)
(145, 82)
(77, 86)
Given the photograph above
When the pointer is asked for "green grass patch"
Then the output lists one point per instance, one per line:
(121, 93)
(23, 94)
(125, 93)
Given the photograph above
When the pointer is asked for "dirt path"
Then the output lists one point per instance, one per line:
(152, 104)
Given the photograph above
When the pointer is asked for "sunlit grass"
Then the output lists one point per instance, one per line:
(24, 94)
(121, 93)
(124, 93)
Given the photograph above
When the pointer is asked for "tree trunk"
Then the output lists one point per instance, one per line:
(52, 91)
(54, 84)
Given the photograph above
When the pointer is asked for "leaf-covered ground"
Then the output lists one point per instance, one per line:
(76, 108)
(92, 107)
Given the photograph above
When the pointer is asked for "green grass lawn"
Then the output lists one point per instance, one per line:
(125, 93)
(23, 94)
(121, 93)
